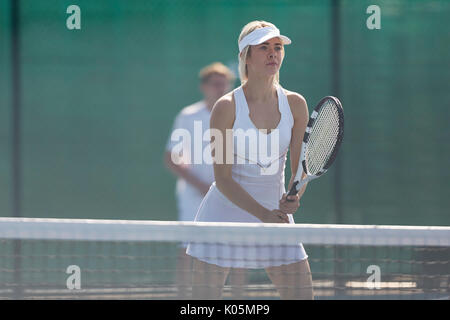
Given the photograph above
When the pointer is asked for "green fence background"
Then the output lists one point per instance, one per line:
(98, 103)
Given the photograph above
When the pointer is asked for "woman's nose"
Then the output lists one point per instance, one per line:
(271, 53)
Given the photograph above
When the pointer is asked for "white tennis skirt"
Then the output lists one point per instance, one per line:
(215, 207)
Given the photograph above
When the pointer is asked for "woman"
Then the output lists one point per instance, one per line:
(242, 192)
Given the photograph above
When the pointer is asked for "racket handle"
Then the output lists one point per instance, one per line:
(293, 191)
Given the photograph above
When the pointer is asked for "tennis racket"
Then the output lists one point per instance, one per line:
(321, 142)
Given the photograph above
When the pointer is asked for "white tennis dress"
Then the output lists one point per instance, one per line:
(263, 178)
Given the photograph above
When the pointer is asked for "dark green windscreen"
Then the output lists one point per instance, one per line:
(98, 103)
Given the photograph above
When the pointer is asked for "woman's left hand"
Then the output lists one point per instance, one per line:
(289, 207)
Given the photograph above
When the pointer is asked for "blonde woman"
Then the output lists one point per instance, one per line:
(241, 192)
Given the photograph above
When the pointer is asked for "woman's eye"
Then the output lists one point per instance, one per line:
(265, 48)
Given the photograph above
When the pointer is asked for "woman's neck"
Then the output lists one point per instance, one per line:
(260, 89)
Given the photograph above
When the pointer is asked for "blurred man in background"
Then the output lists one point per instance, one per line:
(194, 179)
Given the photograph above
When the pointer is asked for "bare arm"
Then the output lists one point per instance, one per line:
(184, 173)
(300, 113)
(222, 120)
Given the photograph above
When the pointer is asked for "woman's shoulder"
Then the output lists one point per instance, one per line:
(297, 103)
(224, 108)
(294, 97)
(225, 104)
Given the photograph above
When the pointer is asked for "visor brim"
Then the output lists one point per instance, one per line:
(285, 40)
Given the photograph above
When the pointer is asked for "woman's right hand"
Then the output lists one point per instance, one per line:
(275, 216)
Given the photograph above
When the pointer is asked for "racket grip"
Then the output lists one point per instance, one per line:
(293, 191)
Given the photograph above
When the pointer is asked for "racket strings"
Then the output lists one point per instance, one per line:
(323, 138)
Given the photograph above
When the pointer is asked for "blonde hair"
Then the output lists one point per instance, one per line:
(248, 28)
(216, 68)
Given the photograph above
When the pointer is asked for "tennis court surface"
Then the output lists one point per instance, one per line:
(119, 259)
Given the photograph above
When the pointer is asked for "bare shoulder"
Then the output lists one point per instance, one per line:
(297, 103)
(223, 111)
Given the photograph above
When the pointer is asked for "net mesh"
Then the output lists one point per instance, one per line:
(107, 259)
(323, 137)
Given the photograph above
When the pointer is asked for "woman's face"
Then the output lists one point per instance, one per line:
(266, 58)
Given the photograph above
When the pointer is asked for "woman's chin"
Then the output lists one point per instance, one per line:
(272, 69)
(271, 73)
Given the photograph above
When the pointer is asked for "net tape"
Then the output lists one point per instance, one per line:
(225, 232)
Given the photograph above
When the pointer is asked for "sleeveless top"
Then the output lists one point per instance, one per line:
(258, 169)
(264, 165)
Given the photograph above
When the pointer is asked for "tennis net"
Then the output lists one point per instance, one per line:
(108, 259)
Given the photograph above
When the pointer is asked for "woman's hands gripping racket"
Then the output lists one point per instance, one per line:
(321, 142)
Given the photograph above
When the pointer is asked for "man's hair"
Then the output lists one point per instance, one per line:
(215, 68)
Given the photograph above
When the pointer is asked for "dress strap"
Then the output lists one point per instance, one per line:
(241, 103)
(284, 107)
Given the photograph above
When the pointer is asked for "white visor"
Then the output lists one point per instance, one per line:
(261, 35)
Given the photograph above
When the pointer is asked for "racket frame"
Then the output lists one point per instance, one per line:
(298, 181)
